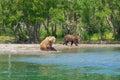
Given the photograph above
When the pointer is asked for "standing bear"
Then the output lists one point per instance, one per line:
(47, 43)
(71, 38)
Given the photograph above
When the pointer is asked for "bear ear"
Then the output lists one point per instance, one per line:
(49, 39)
(54, 39)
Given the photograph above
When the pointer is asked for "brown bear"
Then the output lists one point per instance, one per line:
(47, 43)
(71, 38)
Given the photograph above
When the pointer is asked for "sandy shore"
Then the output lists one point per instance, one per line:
(34, 48)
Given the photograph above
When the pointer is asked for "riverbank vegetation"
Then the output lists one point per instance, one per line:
(30, 21)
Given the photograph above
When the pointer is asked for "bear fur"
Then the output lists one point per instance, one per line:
(47, 43)
(71, 38)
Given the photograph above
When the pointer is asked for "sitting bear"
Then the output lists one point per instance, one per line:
(71, 38)
(46, 44)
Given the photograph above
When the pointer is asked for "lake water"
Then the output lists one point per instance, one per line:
(70, 64)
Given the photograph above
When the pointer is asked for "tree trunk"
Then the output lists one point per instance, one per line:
(33, 33)
(98, 26)
(111, 26)
(63, 29)
(36, 36)
(101, 35)
(75, 23)
(19, 33)
(46, 24)
(30, 33)
(54, 31)
(38, 31)
(4, 28)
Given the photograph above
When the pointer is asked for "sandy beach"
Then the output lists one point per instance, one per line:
(34, 48)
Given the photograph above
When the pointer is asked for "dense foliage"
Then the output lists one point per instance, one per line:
(30, 20)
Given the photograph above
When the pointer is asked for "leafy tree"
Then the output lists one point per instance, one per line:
(27, 19)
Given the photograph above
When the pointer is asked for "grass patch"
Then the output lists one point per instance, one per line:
(95, 37)
(6, 39)
(59, 40)
(109, 36)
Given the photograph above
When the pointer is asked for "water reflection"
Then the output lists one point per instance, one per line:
(87, 64)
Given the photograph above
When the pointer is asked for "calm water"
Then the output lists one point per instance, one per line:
(70, 64)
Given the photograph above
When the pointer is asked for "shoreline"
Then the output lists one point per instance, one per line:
(33, 49)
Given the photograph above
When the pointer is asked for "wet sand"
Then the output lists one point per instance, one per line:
(33, 49)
